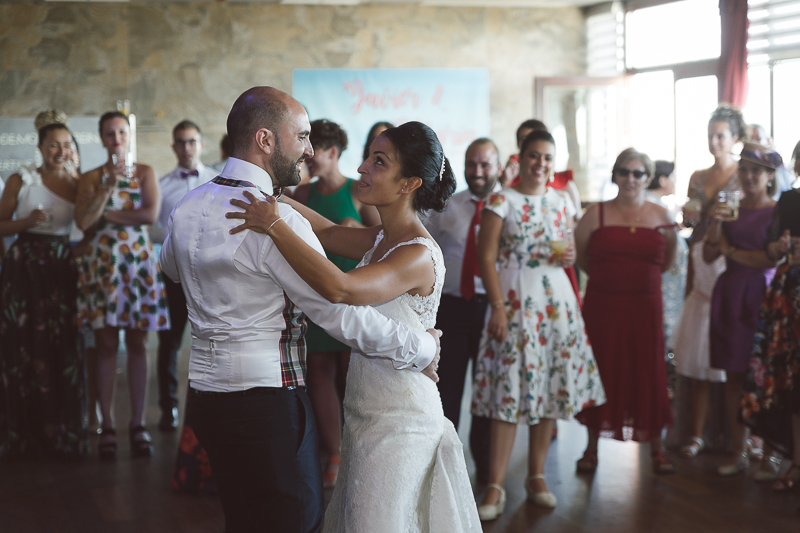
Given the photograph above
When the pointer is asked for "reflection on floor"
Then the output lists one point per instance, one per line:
(134, 495)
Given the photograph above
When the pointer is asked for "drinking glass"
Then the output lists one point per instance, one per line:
(559, 244)
(728, 205)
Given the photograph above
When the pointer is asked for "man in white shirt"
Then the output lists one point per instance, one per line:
(462, 310)
(246, 369)
(187, 143)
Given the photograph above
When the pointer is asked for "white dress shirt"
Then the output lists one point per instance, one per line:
(174, 187)
(238, 289)
(449, 229)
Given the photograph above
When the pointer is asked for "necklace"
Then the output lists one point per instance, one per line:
(636, 220)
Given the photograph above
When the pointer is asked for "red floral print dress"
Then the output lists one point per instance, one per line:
(545, 367)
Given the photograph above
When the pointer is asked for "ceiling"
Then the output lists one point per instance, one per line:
(445, 3)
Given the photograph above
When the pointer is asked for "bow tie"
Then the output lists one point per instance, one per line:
(186, 173)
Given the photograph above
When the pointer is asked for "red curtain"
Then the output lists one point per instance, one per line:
(732, 70)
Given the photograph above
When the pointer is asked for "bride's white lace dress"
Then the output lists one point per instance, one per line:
(403, 467)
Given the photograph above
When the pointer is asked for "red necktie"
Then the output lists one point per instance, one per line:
(469, 269)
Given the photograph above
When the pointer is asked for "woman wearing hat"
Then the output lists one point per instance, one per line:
(771, 398)
(739, 291)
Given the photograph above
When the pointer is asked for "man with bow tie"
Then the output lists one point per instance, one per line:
(187, 143)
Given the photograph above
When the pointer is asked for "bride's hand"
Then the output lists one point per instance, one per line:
(432, 369)
(258, 215)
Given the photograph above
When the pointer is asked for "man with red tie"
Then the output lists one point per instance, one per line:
(187, 143)
(462, 310)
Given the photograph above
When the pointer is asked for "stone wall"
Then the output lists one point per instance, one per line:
(192, 59)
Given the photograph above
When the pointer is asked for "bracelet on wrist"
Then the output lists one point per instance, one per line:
(497, 304)
(270, 226)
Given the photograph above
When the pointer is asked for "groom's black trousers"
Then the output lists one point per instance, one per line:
(262, 447)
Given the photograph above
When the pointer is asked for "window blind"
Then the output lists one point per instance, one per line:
(774, 32)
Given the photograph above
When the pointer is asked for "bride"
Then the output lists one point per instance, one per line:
(402, 465)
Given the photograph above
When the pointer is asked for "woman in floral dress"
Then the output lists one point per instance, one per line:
(537, 365)
(120, 283)
(43, 406)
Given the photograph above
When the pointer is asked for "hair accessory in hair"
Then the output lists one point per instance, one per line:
(761, 155)
(51, 116)
(441, 170)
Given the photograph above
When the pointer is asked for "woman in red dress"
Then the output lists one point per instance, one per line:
(624, 245)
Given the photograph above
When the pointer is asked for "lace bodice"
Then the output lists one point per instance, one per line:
(424, 307)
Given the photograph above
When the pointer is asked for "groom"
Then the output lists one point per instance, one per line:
(246, 306)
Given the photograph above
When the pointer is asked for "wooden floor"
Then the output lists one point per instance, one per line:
(134, 495)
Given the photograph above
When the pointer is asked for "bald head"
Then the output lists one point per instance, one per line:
(482, 167)
(257, 108)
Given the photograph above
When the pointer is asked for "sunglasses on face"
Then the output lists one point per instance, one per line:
(622, 172)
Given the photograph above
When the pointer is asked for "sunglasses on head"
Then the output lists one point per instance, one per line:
(622, 172)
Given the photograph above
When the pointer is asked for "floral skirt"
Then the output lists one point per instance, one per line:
(42, 391)
(770, 396)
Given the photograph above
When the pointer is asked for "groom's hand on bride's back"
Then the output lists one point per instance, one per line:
(431, 369)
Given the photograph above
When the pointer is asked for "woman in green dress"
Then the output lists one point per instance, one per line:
(333, 196)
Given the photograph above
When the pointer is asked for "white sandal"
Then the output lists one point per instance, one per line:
(695, 446)
(542, 499)
(491, 511)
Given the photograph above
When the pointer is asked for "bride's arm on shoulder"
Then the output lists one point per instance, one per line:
(349, 242)
(407, 268)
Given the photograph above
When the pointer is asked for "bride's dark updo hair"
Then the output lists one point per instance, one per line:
(422, 156)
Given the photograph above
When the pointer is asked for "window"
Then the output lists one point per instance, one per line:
(672, 33)
(773, 46)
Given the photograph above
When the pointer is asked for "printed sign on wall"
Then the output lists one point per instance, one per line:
(453, 102)
(19, 141)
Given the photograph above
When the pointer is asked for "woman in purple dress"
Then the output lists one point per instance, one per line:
(740, 289)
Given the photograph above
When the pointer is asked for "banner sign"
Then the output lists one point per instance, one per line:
(453, 102)
(19, 142)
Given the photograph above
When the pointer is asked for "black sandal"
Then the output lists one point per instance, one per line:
(107, 445)
(141, 442)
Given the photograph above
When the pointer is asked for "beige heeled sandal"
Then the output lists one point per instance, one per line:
(491, 511)
(542, 499)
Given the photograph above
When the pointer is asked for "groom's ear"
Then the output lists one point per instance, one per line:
(265, 140)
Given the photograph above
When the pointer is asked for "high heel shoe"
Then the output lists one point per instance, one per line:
(741, 464)
(107, 447)
(768, 471)
(490, 511)
(542, 499)
(788, 481)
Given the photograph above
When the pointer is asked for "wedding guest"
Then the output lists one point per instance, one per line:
(120, 285)
(187, 143)
(561, 181)
(771, 401)
(462, 311)
(742, 239)
(43, 407)
(726, 127)
(624, 245)
(756, 133)
(224, 154)
(536, 364)
(374, 131)
(673, 281)
(335, 197)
